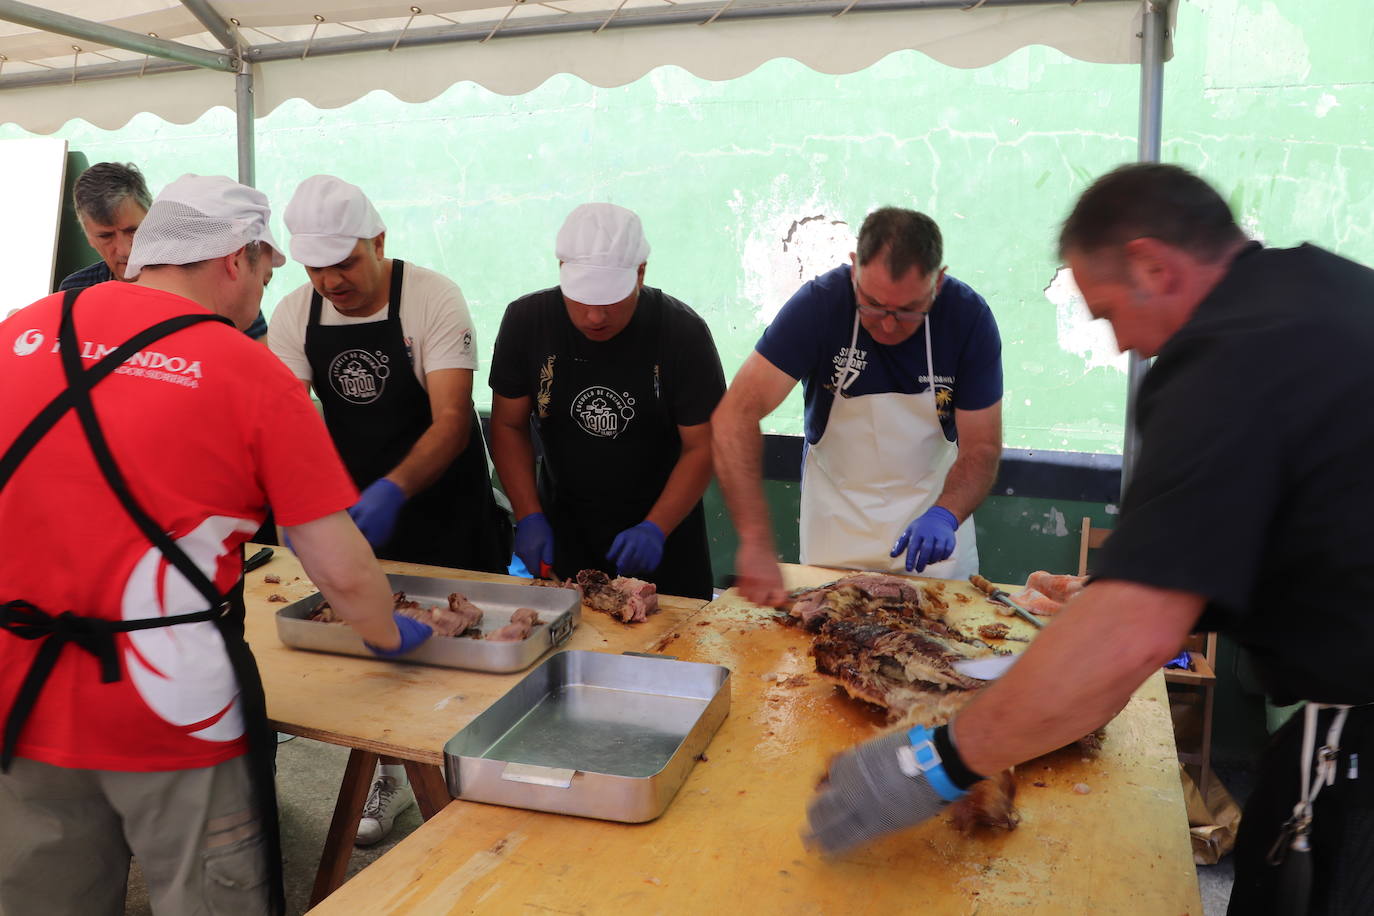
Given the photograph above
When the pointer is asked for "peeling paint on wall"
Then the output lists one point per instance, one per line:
(1075, 328)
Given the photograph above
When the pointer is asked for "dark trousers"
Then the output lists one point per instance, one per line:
(1342, 836)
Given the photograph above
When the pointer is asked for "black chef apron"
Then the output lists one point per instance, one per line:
(376, 410)
(22, 619)
(610, 442)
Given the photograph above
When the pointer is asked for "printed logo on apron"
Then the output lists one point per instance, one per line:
(603, 413)
(849, 362)
(944, 399)
(28, 342)
(358, 376)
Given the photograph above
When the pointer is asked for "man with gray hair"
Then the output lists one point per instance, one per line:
(148, 734)
(111, 200)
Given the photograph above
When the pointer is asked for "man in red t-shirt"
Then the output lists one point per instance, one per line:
(131, 509)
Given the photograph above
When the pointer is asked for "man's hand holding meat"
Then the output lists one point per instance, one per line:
(414, 634)
(889, 783)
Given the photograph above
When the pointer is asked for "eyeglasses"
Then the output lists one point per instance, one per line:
(913, 315)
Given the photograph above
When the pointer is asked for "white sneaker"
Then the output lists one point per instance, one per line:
(384, 803)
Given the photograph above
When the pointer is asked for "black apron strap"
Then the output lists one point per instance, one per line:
(95, 636)
(98, 636)
(69, 351)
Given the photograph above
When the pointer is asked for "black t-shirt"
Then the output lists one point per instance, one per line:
(666, 350)
(1253, 487)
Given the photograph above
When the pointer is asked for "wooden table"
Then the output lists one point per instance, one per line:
(395, 709)
(730, 839)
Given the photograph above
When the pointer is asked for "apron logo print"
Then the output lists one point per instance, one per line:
(28, 342)
(358, 376)
(603, 413)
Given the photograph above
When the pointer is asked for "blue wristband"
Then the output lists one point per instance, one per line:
(922, 759)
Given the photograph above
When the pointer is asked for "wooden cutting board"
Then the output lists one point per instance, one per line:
(730, 839)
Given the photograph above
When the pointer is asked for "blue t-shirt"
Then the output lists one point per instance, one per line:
(809, 340)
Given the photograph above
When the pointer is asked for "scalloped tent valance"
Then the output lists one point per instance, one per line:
(331, 52)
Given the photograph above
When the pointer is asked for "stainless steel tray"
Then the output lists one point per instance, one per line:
(591, 734)
(559, 608)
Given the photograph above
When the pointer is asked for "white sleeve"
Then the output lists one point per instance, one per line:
(448, 339)
(286, 331)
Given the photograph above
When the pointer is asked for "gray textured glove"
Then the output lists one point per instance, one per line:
(869, 794)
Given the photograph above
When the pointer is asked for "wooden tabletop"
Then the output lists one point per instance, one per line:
(730, 838)
(403, 710)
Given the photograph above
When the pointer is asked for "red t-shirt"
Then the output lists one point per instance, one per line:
(209, 429)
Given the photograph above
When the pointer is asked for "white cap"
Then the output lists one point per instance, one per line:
(601, 247)
(199, 217)
(327, 216)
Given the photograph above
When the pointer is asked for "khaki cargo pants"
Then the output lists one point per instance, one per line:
(66, 837)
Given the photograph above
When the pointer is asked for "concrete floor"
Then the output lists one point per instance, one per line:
(308, 775)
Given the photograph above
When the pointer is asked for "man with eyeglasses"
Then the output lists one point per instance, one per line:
(895, 460)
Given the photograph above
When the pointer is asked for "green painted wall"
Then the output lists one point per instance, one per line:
(749, 186)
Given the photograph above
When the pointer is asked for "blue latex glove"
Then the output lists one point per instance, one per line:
(534, 543)
(929, 539)
(413, 635)
(637, 550)
(889, 783)
(375, 511)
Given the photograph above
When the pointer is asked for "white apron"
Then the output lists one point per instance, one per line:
(880, 464)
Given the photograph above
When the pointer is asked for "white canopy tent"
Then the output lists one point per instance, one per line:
(106, 60)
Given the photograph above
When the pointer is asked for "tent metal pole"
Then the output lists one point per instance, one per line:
(243, 111)
(213, 22)
(74, 27)
(1153, 33)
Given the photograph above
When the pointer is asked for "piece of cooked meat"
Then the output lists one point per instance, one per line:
(866, 593)
(1037, 603)
(994, 631)
(627, 599)
(460, 616)
(989, 803)
(1055, 588)
(522, 623)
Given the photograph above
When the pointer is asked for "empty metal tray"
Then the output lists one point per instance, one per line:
(591, 734)
(560, 610)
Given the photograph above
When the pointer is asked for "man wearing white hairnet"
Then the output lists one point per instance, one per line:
(141, 440)
(621, 379)
(390, 350)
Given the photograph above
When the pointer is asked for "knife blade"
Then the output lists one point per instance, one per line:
(996, 594)
(987, 668)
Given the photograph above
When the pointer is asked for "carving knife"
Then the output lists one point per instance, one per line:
(996, 594)
(987, 668)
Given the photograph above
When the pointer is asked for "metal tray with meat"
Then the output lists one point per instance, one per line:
(479, 626)
(592, 734)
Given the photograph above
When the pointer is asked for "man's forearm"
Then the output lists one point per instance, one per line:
(737, 448)
(341, 565)
(970, 479)
(1077, 674)
(684, 488)
(436, 449)
(512, 451)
